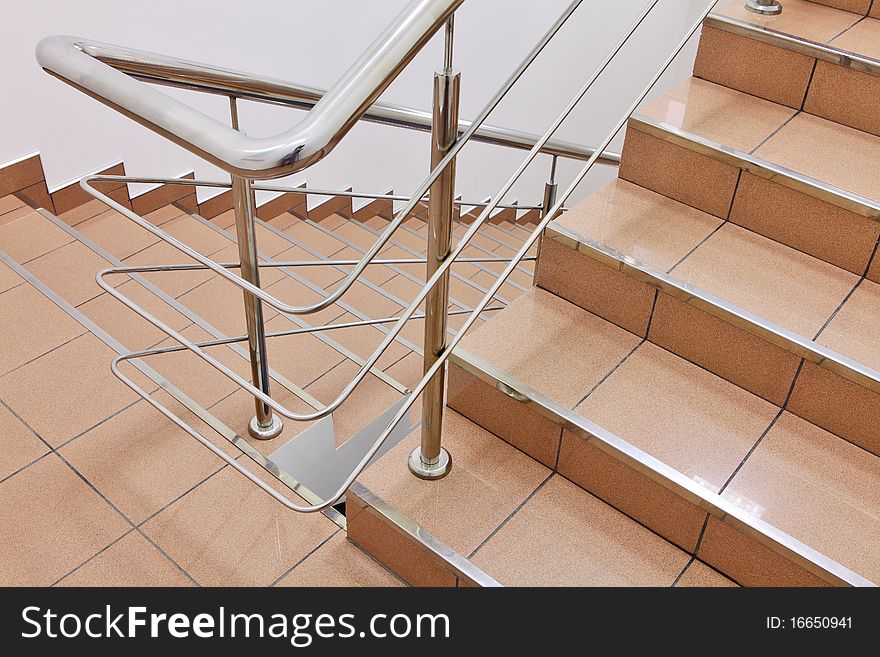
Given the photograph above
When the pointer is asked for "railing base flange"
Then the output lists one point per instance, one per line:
(430, 471)
(267, 433)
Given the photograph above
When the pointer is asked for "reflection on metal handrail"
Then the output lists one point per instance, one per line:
(69, 59)
(444, 266)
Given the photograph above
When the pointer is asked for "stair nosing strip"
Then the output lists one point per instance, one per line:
(673, 480)
(786, 339)
(415, 532)
(794, 43)
(861, 205)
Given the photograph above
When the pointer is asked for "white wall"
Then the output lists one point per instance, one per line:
(313, 41)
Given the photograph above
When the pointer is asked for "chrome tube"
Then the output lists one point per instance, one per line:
(69, 59)
(430, 460)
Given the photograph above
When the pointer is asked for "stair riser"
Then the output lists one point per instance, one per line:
(809, 220)
(706, 336)
(403, 547)
(672, 512)
(800, 75)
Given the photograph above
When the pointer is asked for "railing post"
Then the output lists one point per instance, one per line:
(551, 189)
(264, 425)
(430, 460)
(766, 7)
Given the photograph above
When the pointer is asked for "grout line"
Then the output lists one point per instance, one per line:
(683, 571)
(510, 517)
(793, 382)
(838, 309)
(651, 316)
(809, 84)
(845, 30)
(126, 518)
(310, 553)
(871, 259)
(57, 248)
(752, 450)
(768, 138)
(610, 372)
(45, 353)
(94, 556)
(694, 555)
(705, 239)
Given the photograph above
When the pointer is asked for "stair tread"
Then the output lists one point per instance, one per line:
(816, 487)
(723, 115)
(748, 270)
(511, 518)
(863, 38)
(807, 20)
(702, 426)
(563, 536)
(829, 152)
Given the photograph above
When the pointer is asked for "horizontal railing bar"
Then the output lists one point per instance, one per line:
(300, 96)
(215, 184)
(293, 263)
(299, 331)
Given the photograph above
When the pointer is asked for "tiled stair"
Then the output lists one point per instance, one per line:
(103, 489)
(692, 392)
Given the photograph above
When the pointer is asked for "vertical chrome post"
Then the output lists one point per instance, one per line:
(430, 460)
(766, 7)
(551, 189)
(264, 425)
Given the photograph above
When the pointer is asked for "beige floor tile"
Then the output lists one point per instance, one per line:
(82, 212)
(127, 326)
(818, 488)
(855, 330)
(130, 561)
(564, 536)
(833, 153)
(646, 226)
(9, 204)
(708, 110)
(539, 331)
(196, 377)
(70, 271)
(315, 239)
(377, 274)
(117, 234)
(339, 563)
(507, 291)
(66, 391)
(372, 397)
(221, 304)
(788, 287)
(27, 335)
(229, 532)
(370, 302)
(691, 420)
(363, 341)
(699, 574)
(18, 445)
(19, 211)
(174, 283)
(269, 243)
(195, 234)
(863, 38)
(292, 292)
(58, 522)
(808, 20)
(301, 358)
(408, 370)
(31, 236)
(8, 278)
(140, 460)
(489, 479)
(323, 277)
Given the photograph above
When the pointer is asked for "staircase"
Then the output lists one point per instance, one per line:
(683, 389)
(706, 324)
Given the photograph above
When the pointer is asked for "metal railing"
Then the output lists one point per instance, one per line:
(72, 61)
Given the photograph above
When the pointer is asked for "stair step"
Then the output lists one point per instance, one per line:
(519, 523)
(804, 181)
(735, 302)
(639, 423)
(818, 58)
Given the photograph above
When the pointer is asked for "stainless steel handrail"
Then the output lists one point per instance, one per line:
(69, 59)
(261, 395)
(196, 76)
(448, 261)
